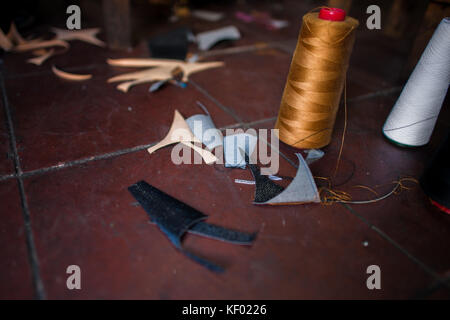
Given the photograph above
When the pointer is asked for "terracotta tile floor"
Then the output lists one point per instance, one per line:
(70, 150)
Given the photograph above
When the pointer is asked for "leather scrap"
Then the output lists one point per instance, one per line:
(170, 45)
(40, 59)
(222, 234)
(302, 189)
(33, 45)
(206, 40)
(173, 136)
(204, 129)
(5, 42)
(174, 218)
(187, 68)
(70, 76)
(87, 35)
(219, 233)
(14, 35)
(232, 145)
(265, 189)
(313, 155)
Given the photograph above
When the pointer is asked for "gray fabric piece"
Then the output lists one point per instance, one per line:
(207, 39)
(301, 190)
(207, 15)
(157, 85)
(313, 155)
(231, 145)
(204, 130)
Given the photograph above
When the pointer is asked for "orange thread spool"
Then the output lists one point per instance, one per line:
(316, 79)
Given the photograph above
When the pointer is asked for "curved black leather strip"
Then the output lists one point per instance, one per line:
(211, 266)
(216, 232)
(172, 216)
(223, 234)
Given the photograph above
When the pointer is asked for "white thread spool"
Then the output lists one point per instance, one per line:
(412, 119)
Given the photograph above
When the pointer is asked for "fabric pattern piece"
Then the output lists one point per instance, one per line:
(174, 218)
(302, 189)
(265, 189)
(313, 155)
(233, 144)
(204, 130)
(206, 40)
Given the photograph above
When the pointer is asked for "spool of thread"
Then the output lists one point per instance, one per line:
(316, 78)
(435, 180)
(412, 119)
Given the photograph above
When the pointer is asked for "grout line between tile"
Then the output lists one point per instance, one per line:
(250, 124)
(107, 155)
(384, 92)
(8, 176)
(77, 162)
(432, 288)
(220, 105)
(38, 285)
(422, 265)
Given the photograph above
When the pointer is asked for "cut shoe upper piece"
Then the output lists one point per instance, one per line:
(160, 70)
(181, 133)
(206, 40)
(234, 144)
(175, 218)
(302, 189)
(87, 35)
(204, 129)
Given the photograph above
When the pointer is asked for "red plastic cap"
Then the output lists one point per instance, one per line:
(440, 207)
(333, 14)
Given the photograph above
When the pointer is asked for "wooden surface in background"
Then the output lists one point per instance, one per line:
(116, 15)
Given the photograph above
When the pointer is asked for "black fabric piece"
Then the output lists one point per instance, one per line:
(209, 265)
(223, 234)
(170, 45)
(265, 189)
(175, 218)
(435, 180)
(216, 232)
